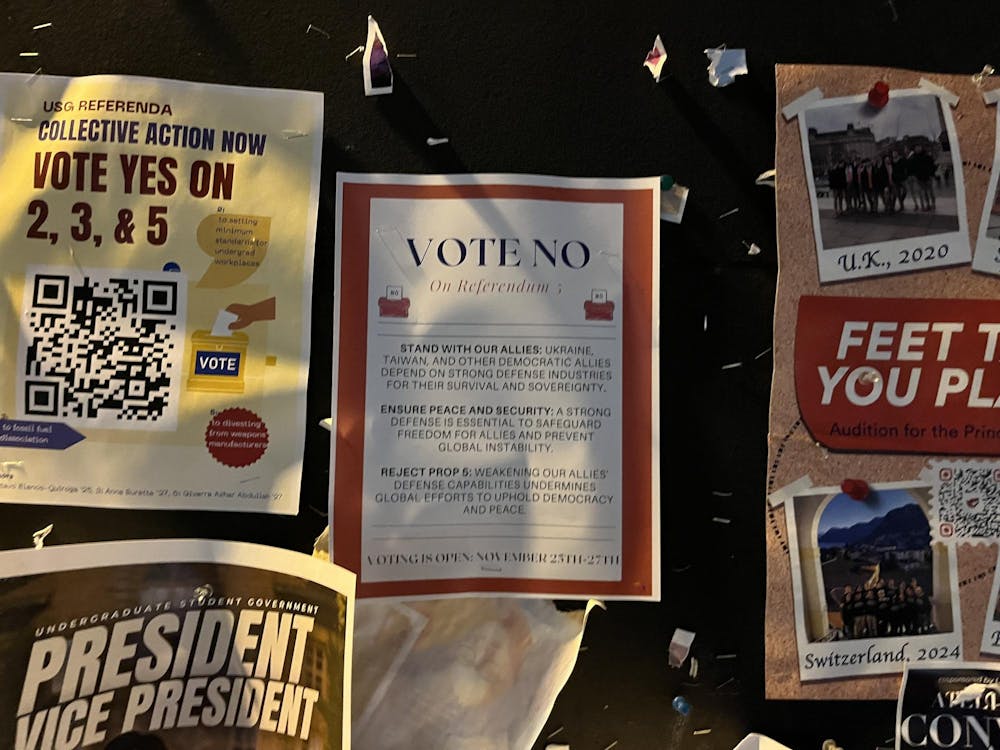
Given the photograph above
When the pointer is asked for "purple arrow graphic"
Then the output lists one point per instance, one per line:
(19, 433)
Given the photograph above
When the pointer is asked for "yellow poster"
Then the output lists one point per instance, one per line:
(156, 243)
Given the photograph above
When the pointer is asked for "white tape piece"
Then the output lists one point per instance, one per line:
(941, 91)
(779, 496)
(991, 97)
(795, 108)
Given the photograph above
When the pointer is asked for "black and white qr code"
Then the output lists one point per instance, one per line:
(967, 500)
(102, 347)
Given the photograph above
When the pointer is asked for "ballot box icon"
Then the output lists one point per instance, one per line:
(218, 363)
(599, 307)
(394, 304)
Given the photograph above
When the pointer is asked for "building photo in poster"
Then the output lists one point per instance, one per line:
(187, 653)
(872, 591)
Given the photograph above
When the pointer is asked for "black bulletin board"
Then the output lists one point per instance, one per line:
(559, 88)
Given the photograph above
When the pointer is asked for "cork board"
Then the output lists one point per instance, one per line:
(792, 451)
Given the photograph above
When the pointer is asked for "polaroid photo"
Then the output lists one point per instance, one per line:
(991, 629)
(987, 257)
(886, 185)
(871, 590)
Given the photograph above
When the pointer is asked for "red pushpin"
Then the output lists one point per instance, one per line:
(878, 97)
(856, 489)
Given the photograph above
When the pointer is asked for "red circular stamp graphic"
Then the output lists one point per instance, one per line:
(236, 437)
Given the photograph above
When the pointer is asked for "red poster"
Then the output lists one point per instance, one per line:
(899, 375)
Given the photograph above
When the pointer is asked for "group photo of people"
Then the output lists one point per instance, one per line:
(882, 608)
(876, 568)
(882, 175)
(882, 185)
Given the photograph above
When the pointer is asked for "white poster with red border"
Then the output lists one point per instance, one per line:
(496, 385)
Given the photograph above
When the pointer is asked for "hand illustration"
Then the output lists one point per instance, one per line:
(247, 314)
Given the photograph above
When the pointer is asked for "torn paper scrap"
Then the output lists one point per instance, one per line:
(222, 321)
(759, 742)
(725, 64)
(680, 645)
(38, 538)
(655, 58)
(672, 203)
(376, 69)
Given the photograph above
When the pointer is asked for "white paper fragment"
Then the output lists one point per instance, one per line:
(655, 58)
(767, 178)
(789, 491)
(991, 97)
(672, 203)
(376, 69)
(38, 538)
(725, 64)
(793, 108)
(944, 94)
(327, 423)
(759, 742)
(222, 321)
(680, 645)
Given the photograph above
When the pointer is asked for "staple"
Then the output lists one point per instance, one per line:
(553, 734)
(613, 744)
(406, 54)
(356, 50)
(21, 119)
(704, 324)
(436, 141)
(722, 685)
(730, 212)
(721, 493)
(693, 668)
(314, 27)
(28, 54)
(39, 26)
(763, 353)
(697, 732)
(987, 70)
(725, 656)
(732, 365)
(34, 77)
(72, 254)
(251, 479)
(681, 568)
(720, 519)
(290, 134)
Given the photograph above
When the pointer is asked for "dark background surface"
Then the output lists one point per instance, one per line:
(559, 88)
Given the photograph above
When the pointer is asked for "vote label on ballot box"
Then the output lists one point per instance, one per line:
(218, 363)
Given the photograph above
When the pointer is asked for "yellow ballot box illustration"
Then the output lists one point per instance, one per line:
(218, 363)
